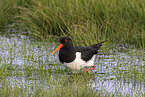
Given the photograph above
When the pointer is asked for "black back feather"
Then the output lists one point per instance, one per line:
(87, 52)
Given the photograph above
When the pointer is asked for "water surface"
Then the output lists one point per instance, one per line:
(29, 64)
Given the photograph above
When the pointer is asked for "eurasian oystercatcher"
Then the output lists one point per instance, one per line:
(77, 57)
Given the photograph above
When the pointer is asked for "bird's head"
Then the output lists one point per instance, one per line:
(65, 43)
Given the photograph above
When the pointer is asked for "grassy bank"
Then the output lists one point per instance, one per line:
(86, 21)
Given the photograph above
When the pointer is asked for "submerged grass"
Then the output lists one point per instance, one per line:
(86, 21)
(27, 68)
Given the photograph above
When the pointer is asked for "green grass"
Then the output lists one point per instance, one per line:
(86, 21)
(27, 68)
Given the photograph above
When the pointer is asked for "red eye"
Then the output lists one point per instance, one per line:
(65, 40)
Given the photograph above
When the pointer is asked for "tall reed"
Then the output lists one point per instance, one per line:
(88, 21)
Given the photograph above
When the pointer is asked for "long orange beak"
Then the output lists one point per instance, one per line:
(60, 46)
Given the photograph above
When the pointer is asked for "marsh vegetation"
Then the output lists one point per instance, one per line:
(27, 67)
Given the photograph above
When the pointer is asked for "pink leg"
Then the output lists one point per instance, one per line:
(94, 66)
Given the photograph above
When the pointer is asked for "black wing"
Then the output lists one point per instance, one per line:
(86, 52)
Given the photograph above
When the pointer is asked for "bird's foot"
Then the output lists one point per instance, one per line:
(94, 66)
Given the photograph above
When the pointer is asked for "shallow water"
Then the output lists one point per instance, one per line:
(29, 64)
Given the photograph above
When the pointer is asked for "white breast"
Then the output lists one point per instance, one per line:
(78, 63)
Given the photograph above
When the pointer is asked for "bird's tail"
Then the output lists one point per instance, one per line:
(98, 45)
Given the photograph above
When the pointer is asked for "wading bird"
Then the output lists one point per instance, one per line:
(77, 57)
